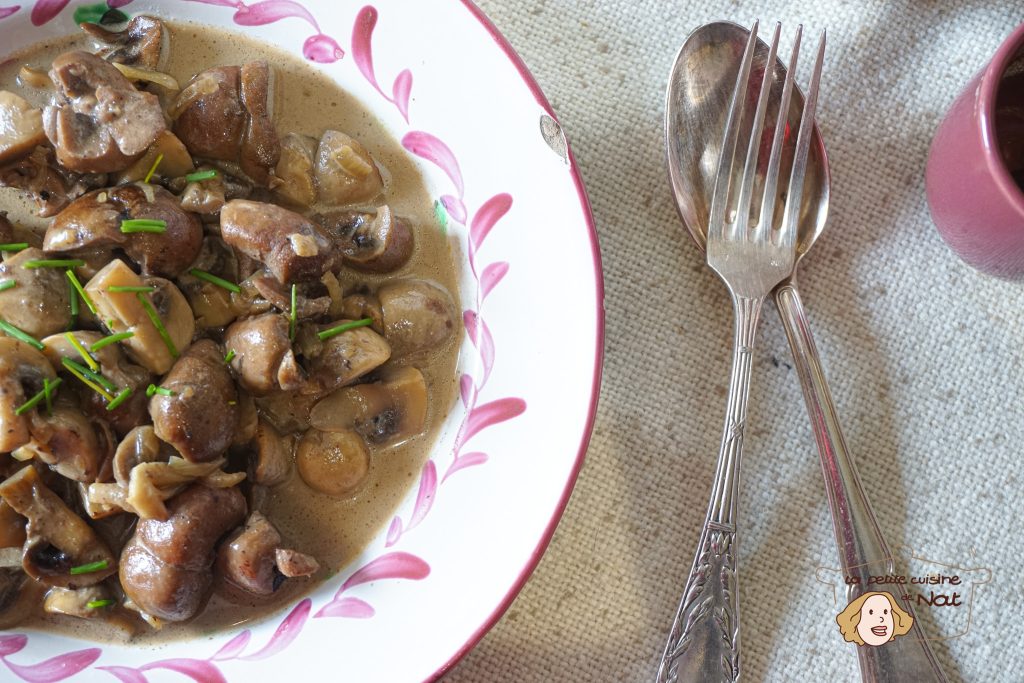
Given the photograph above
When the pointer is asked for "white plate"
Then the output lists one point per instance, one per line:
(441, 78)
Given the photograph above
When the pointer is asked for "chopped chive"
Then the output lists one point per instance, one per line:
(154, 389)
(158, 324)
(45, 394)
(48, 388)
(73, 300)
(13, 331)
(89, 360)
(143, 225)
(152, 169)
(232, 403)
(111, 339)
(228, 358)
(122, 289)
(291, 317)
(219, 281)
(89, 568)
(70, 367)
(121, 397)
(13, 246)
(8, 284)
(94, 376)
(81, 290)
(344, 327)
(97, 604)
(200, 175)
(54, 263)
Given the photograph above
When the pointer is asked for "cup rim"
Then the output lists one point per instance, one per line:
(987, 93)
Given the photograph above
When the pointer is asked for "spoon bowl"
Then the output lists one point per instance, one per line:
(697, 105)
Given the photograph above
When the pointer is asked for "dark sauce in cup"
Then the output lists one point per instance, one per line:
(1010, 119)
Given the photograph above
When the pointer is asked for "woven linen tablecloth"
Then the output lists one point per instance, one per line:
(923, 355)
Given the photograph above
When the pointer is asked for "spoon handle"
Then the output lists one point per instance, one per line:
(704, 643)
(863, 551)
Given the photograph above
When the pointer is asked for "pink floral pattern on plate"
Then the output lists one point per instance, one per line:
(478, 416)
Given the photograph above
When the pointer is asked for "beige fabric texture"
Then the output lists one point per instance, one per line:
(924, 357)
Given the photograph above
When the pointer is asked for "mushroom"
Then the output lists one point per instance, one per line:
(72, 445)
(138, 446)
(263, 360)
(51, 187)
(175, 161)
(342, 358)
(306, 305)
(21, 127)
(74, 602)
(94, 221)
(271, 456)
(248, 558)
(200, 417)
(60, 548)
(294, 171)
(141, 43)
(12, 527)
(294, 248)
(212, 305)
(115, 367)
(126, 312)
(224, 113)
(335, 463)
(388, 412)
(361, 305)
(38, 303)
(345, 171)
(287, 411)
(165, 567)
(6, 229)
(374, 243)
(205, 197)
(418, 315)
(100, 122)
(22, 374)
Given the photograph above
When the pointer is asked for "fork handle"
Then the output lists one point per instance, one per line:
(863, 551)
(704, 643)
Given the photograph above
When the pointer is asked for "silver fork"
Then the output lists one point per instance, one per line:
(704, 643)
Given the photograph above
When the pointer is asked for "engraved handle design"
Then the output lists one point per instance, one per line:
(704, 642)
(862, 548)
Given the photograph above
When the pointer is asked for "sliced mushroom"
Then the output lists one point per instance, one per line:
(72, 445)
(38, 303)
(263, 360)
(174, 158)
(418, 315)
(21, 127)
(374, 243)
(224, 113)
(248, 559)
(125, 312)
(294, 248)
(388, 412)
(212, 305)
(57, 539)
(39, 176)
(205, 197)
(74, 602)
(362, 305)
(165, 567)
(271, 456)
(94, 220)
(141, 43)
(248, 421)
(138, 446)
(114, 366)
(201, 416)
(22, 372)
(287, 411)
(294, 172)
(335, 463)
(309, 303)
(343, 358)
(100, 123)
(345, 171)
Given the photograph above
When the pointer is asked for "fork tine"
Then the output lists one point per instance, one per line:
(771, 182)
(795, 195)
(742, 220)
(720, 198)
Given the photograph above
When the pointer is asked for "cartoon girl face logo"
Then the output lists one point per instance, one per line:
(873, 619)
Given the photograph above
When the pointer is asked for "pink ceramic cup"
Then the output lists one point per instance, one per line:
(974, 201)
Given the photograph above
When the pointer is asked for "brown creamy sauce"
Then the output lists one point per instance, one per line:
(332, 530)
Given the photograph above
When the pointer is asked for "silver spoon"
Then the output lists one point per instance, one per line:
(696, 107)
